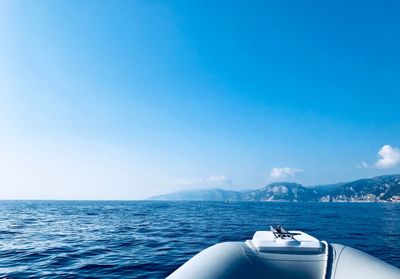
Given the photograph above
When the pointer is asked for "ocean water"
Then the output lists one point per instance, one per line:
(149, 239)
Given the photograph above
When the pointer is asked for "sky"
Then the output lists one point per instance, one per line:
(128, 99)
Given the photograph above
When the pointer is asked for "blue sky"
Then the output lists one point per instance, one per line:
(126, 99)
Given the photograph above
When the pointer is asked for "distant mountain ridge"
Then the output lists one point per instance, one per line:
(385, 188)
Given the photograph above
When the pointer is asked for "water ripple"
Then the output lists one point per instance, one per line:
(84, 239)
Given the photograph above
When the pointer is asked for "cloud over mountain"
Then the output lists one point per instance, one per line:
(285, 172)
(212, 181)
(362, 165)
(389, 157)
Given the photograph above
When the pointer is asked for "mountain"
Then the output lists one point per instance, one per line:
(380, 188)
(326, 189)
(201, 195)
(377, 189)
(283, 191)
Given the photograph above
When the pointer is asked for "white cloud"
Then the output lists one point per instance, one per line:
(389, 157)
(210, 181)
(285, 172)
(218, 180)
(362, 165)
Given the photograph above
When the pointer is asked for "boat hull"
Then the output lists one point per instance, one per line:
(239, 260)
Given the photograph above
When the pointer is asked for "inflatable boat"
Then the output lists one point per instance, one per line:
(283, 254)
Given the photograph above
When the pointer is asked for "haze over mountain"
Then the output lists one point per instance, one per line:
(384, 188)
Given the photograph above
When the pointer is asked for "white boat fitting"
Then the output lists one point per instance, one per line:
(283, 254)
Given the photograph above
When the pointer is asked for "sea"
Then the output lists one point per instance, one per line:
(150, 239)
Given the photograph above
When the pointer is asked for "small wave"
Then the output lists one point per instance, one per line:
(151, 239)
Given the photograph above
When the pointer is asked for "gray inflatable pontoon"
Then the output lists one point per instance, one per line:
(282, 254)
